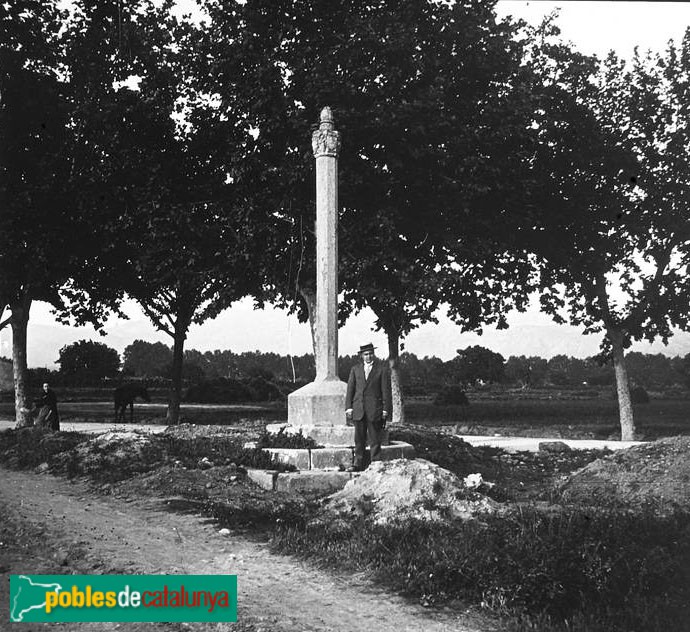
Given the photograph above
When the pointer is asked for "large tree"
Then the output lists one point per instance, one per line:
(613, 226)
(86, 362)
(37, 244)
(477, 363)
(146, 359)
(182, 232)
(526, 371)
(427, 99)
(48, 248)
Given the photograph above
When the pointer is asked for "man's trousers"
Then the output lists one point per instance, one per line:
(373, 431)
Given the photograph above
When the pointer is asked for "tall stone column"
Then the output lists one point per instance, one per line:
(326, 145)
(318, 409)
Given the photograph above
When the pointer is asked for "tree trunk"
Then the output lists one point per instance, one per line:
(622, 386)
(20, 322)
(173, 415)
(398, 413)
(310, 299)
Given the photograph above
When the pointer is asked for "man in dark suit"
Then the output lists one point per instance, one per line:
(368, 403)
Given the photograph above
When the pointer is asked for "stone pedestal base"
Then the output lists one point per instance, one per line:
(318, 404)
(317, 410)
(328, 436)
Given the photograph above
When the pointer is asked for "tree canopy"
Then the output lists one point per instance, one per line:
(182, 234)
(87, 362)
(611, 230)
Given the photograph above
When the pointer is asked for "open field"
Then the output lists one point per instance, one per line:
(152, 413)
(575, 418)
(597, 418)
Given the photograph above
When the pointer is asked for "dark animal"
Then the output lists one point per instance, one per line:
(125, 396)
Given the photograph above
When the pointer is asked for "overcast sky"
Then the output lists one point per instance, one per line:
(593, 27)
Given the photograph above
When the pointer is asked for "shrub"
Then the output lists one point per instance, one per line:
(452, 396)
(283, 440)
(638, 395)
(261, 390)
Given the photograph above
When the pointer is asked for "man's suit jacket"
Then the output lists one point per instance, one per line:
(369, 397)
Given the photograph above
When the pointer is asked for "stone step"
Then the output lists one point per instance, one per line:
(299, 482)
(323, 434)
(335, 458)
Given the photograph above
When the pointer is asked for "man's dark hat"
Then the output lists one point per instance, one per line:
(368, 347)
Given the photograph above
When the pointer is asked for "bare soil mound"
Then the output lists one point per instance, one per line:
(117, 451)
(403, 489)
(656, 474)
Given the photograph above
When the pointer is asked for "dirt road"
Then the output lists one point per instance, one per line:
(65, 528)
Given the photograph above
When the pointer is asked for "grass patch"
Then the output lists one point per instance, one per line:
(572, 570)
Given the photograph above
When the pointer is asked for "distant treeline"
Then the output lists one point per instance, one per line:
(87, 363)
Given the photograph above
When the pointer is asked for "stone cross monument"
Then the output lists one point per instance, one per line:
(318, 409)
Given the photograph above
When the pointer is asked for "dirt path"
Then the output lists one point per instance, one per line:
(276, 593)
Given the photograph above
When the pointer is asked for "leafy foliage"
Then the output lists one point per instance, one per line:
(477, 363)
(281, 439)
(87, 362)
(146, 359)
(610, 228)
(427, 98)
(182, 234)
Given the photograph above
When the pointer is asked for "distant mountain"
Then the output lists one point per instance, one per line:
(244, 329)
(540, 340)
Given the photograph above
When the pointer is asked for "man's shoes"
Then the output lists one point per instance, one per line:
(354, 468)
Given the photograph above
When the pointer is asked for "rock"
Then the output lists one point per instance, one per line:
(224, 532)
(473, 481)
(403, 489)
(554, 447)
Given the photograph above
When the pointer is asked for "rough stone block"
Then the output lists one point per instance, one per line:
(299, 457)
(408, 451)
(318, 403)
(396, 450)
(312, 481)
(554, 447)
(263, 478)
(331, 458)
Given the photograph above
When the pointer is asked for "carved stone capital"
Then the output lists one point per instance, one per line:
(325, 141)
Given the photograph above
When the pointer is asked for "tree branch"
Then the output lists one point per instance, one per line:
(651, 289)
